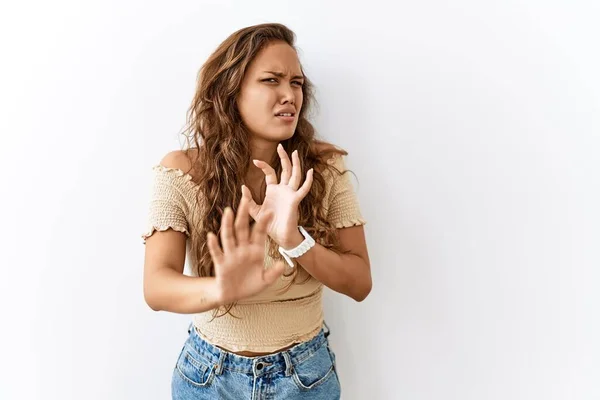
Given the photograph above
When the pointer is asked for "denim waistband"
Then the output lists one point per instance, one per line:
(258, 365)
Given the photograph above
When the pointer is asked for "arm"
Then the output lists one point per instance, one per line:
(166, 288)
(349, 274)
(238, 265)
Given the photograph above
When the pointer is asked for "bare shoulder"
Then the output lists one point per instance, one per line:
(183, 160)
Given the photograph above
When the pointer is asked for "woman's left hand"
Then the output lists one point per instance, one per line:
(282, 199)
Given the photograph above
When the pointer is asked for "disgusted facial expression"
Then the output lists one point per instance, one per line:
(270, 96)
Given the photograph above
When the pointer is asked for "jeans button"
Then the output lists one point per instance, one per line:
(259, 366)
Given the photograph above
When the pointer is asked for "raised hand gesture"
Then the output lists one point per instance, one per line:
(239, 265)
(282, 199)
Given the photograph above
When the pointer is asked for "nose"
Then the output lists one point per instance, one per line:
(287, 94)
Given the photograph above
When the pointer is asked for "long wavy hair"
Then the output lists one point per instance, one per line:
(217, 136)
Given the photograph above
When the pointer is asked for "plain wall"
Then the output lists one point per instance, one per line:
(473, 129)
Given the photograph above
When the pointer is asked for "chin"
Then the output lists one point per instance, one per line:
(276, 135)
(282, 135)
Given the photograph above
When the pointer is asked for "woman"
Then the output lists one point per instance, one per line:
(257, 277)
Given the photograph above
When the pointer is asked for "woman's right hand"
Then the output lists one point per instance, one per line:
(239, 265)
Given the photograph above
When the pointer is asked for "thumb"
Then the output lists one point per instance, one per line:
(271, 274)
(253, 208)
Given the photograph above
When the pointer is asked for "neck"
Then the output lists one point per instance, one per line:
(262, 150)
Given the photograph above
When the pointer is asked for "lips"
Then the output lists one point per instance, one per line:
(286, 118)
(286, 110)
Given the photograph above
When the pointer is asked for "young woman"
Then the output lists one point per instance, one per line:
(266, 217)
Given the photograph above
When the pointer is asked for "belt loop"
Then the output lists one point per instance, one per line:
(288, 363)
(219, 366)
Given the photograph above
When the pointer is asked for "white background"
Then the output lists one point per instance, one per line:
(473, 128)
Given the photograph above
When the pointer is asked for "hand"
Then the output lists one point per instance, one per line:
(282, 199)
(239, 267)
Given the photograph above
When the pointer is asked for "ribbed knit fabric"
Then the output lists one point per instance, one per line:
(275, 318)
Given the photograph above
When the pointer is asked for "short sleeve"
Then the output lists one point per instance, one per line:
(343, 208)
(167, 207)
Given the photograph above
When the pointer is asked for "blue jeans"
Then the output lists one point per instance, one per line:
(305, 371)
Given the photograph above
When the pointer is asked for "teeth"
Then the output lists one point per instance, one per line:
(285, 114)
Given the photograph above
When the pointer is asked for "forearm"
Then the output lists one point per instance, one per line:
(169, 290)
(345, 273)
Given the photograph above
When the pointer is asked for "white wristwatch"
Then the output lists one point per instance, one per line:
(302, 248)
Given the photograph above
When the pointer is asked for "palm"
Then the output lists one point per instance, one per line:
(281, 201)
(247, 280)
(282, 198)
(239, 265)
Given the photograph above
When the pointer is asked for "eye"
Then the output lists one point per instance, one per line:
(269, 79)
(300, 84)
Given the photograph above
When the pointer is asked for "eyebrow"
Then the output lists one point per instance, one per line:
(281, 75)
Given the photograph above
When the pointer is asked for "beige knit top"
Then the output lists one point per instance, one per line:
(275, 318)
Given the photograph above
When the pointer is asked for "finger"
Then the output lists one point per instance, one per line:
(242, 220)
(305, 188)
(227, 238)
(214, 249)
(253, 208)
(296, 171)
(259, 230)
(286, 165)
(270, 175)
(269, 275)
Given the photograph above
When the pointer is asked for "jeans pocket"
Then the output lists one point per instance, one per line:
(193, 369)
(315, 370)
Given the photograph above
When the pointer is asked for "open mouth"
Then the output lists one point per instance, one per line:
(286, 117)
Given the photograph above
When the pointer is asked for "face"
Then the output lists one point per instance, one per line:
(271, 86)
